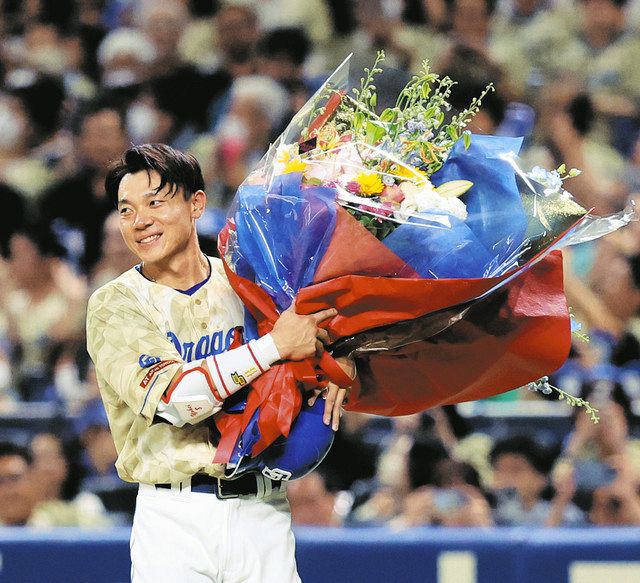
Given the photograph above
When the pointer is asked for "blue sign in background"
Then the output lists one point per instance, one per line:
(505, 555)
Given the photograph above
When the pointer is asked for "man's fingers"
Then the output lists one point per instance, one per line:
(323, 336)
(313, 398)
(324, 314)
(333, 405)
(317, 393)
(337, 408)
(319, 348)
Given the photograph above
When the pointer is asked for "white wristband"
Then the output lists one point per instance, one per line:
(201, 388)
(236, 368)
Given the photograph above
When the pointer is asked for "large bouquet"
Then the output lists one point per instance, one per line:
(439, 252)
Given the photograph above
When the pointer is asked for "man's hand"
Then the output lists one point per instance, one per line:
(298, 337)
(334, 395)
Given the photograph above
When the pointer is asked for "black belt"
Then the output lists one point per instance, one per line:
(246, 485)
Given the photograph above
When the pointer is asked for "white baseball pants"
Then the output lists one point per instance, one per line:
(193, 537)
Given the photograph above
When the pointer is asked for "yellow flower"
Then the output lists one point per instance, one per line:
(328, 137)
(409, 172)
(370, 183)
(295, 165)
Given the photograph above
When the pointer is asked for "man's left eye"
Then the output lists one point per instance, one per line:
(155, 203)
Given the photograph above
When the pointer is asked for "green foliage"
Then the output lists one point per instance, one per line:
(417, 121)
(377, 226)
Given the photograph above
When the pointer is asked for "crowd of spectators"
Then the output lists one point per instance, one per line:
(83, 79)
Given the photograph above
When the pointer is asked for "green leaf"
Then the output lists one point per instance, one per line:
(562, 168)
(466, 139)
(388, 114)
(374, 99)
(452, 132)
(375, 132)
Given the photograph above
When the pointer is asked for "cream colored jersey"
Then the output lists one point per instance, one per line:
(138, 334)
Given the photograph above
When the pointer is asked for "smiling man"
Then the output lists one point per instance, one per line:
(160, 336)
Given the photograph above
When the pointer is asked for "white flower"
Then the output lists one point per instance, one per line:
(423, 197)
(340, 164)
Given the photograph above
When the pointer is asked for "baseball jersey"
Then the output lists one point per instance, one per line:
(139, 333)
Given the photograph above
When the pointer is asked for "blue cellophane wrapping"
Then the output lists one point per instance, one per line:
(439, 245)
(283, 233)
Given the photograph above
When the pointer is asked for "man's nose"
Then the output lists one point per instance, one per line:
(142, 220)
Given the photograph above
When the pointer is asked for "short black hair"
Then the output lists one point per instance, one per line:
(292, 43)
(539, 457)
(41, 235)
(582, 113)
(9, 449)
(618, 3)
(177, 169)
(87, 109)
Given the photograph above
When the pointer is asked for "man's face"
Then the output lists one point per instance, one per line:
(512, 470)
(102, 138)
(27, 264)
(156, 226)
(527, 7)
(602, 15)
(16, 498)
(236, 31)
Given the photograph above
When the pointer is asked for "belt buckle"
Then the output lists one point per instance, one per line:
(220, 495)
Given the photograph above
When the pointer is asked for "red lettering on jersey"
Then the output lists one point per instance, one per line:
(153, 370)
(193, 411)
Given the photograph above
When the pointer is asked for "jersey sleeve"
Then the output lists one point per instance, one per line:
(129, 350)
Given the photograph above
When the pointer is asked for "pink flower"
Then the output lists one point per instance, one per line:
(392, 194)
(353, 187)
(385, 210)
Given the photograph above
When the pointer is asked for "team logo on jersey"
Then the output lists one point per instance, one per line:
(238, 379)
(207, 345)
(155, 369)
(145, 361)
(193, 410)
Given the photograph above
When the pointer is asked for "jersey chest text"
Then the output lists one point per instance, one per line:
(206, 345)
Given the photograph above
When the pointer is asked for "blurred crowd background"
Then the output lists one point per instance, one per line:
(81, 80)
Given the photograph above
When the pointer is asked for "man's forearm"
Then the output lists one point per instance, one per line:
(199, 389)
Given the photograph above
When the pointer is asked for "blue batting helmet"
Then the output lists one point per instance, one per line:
(286, 458)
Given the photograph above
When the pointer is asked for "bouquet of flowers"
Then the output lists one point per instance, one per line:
(439, 252)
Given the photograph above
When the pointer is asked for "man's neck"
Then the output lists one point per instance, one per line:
(179, 272)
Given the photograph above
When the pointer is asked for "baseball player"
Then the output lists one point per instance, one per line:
(160, 336)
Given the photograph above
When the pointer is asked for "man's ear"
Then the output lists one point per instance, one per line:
(198, 203)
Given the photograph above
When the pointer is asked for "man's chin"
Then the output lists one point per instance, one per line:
(151, 256)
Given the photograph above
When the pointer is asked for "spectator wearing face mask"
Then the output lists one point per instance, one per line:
(257, 108)
(21, 167)
(125, 56)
